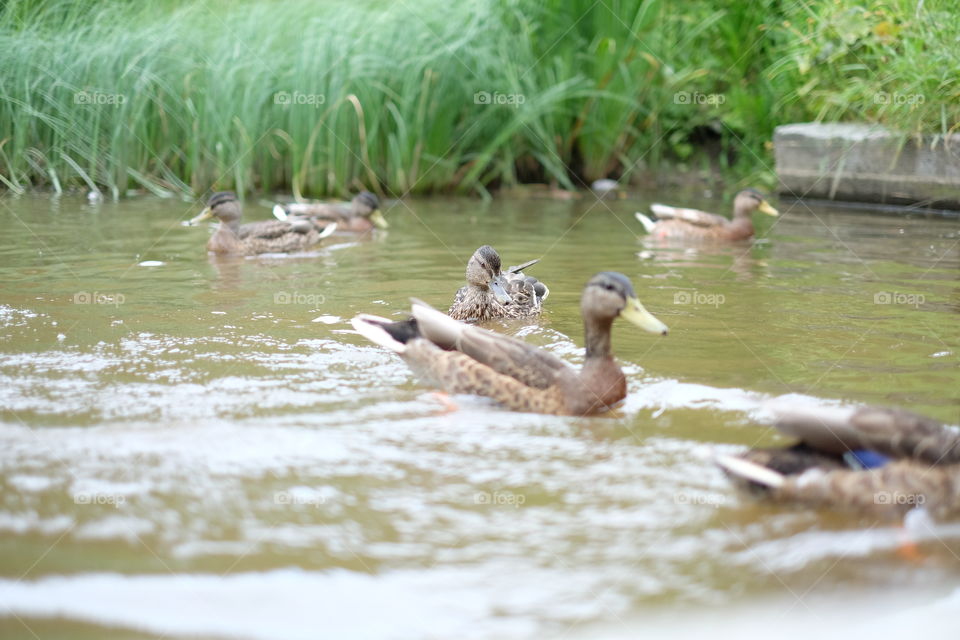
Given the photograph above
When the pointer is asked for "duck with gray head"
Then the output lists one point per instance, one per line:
(461, 358)
(359, 215)
(268, 236)
(492, 294)
(693, 224)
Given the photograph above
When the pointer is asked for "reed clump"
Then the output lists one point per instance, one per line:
(323, 98)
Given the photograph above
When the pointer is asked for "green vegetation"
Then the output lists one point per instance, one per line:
(439, 96)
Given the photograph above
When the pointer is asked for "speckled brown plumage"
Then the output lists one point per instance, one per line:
(268, 236)
(520, 295)
(692, 224)
(924, 466)
(460, 358)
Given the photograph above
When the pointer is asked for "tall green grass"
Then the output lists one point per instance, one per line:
(895, 62)
(326, 98)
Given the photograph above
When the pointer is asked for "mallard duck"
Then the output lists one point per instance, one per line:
(268, 236)
(693, 224)
(490, 294)
(461, 358)
(879, 461)
(360, 214)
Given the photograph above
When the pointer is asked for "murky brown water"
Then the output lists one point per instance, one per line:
(202, 447)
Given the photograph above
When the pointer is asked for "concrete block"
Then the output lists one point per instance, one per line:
(867, 163)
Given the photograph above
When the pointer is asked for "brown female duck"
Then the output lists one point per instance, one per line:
(268, 236)
(692, 224)
(461, 358)
(360, 214)
(884, 462)
(491, 294)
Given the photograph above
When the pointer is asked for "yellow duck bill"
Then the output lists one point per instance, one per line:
(766, 208)
(636, 314)
(378, 220)
(206, 214)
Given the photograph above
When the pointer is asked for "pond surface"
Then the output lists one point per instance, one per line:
(203, 447)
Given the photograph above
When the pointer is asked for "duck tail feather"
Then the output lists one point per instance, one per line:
(382, 331)
(437, 327)
(328, 230)
(663, 209)
(749, 471)
(647, 223)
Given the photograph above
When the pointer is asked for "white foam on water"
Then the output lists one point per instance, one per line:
(451, 602)
(877, 616)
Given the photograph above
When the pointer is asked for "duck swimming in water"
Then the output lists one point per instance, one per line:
(461, 358)
(868, 459)
(492, 294)
(693, 224)
(268, 236)
(359, 215)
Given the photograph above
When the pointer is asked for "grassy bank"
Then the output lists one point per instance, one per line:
(323, 98)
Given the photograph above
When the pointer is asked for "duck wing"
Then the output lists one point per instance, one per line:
(691, 216)
(520, 267)
(893, 432)
(322, 210)
(504, 354)
(525, 290)
(270, 229)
